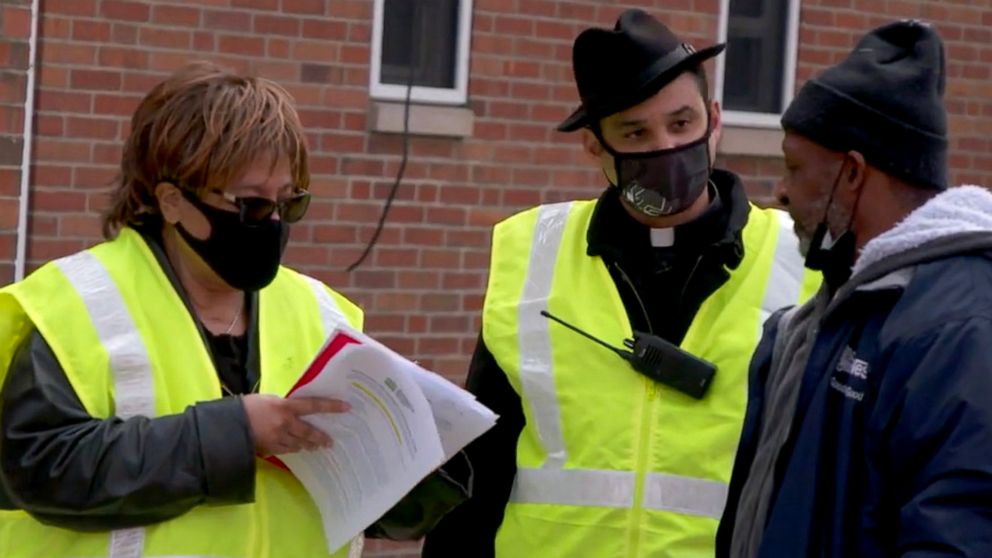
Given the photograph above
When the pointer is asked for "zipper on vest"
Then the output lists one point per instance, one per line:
(688, 279)
(652, 387)
(644, 440)
(637, 296)
(646, 429)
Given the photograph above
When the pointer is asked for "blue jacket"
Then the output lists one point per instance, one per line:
(890, 449)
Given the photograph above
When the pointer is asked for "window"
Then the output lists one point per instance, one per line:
(756, 76)
(423, 40)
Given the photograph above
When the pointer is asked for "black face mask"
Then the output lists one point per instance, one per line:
(833, 257)
(245, 255)
(663, 182)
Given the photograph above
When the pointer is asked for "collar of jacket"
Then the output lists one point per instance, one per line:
(616, 236)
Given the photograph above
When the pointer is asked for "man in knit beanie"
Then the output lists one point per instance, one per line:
(868, 431)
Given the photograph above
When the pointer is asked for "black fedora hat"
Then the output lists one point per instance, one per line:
(618, 68)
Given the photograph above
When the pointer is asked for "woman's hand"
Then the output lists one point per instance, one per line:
(277, 424)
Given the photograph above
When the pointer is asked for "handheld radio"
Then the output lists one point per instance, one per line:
(659, 360)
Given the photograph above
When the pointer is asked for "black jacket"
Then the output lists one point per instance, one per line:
(890, 448)
(661, 288)
(70, 470)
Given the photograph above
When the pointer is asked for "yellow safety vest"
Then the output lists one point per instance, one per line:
(611, 464)
(129, 347)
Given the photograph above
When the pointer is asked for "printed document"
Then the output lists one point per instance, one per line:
(403, 424)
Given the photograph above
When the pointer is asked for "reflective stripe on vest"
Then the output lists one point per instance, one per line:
(552, 484)
(786, 278)
(134, 387)
(131, 368)
(615, 489)
(330, 312)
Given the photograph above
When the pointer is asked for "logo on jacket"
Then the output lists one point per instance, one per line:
(851, 375)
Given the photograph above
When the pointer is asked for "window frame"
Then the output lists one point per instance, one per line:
(458, 95)
(762, 119)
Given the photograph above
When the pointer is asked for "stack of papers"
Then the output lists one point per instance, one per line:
(403, 424)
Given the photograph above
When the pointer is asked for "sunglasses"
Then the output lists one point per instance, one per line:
(253, 209)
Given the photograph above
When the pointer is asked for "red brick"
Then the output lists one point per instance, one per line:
(178, 16)
(229, 20)
(584, 13)
(125, 33)
(16, 22)
(475, 239)
(450, 324)
(350, 9)
(494, 6)
(277, 25)
(542, 8)
(107, 154)
(92, 128)
(94, 178)
(166, 38)
(324, 29)
(89, 30)
(477, 259)
(706, 6)
(421, 236)
(552, 30)
(43, 249)
(12, 88)
(95, 80)
(277, 48)
(55, 27)
(57, 200)
(335, 234)
(79, 225)
(977, 72)
(65, 53)
(71, 7)
(128, 11)
(817, 16)
(530, 132)
(531, 49)
(242, 45)
(439, 259)
(165, 61)
(437, 345)
(49, 100)
(256, 4)
(441, 302)
(313, 7)
(392, 258)
(359, 32)
(511, 25)
(980, 36)
(123, 57)
(353, 54)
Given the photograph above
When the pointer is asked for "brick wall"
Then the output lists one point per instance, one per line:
(15, 25)
(830, 27)
(422, 288)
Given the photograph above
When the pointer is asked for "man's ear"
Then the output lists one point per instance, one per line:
(591, 144)
(716, 120)
(169, 202)
(855, 170)
(716, 129)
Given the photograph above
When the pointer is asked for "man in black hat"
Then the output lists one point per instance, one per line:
(869, 424)
(604, 454)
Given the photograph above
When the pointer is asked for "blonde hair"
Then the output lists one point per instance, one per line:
(200, 129)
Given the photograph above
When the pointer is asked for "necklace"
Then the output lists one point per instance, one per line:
(237, 317)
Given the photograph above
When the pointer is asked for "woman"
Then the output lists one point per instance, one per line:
(142, 377)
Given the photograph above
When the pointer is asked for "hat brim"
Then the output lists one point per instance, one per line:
(583, 117)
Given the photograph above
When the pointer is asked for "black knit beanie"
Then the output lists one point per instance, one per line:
(885, 100)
